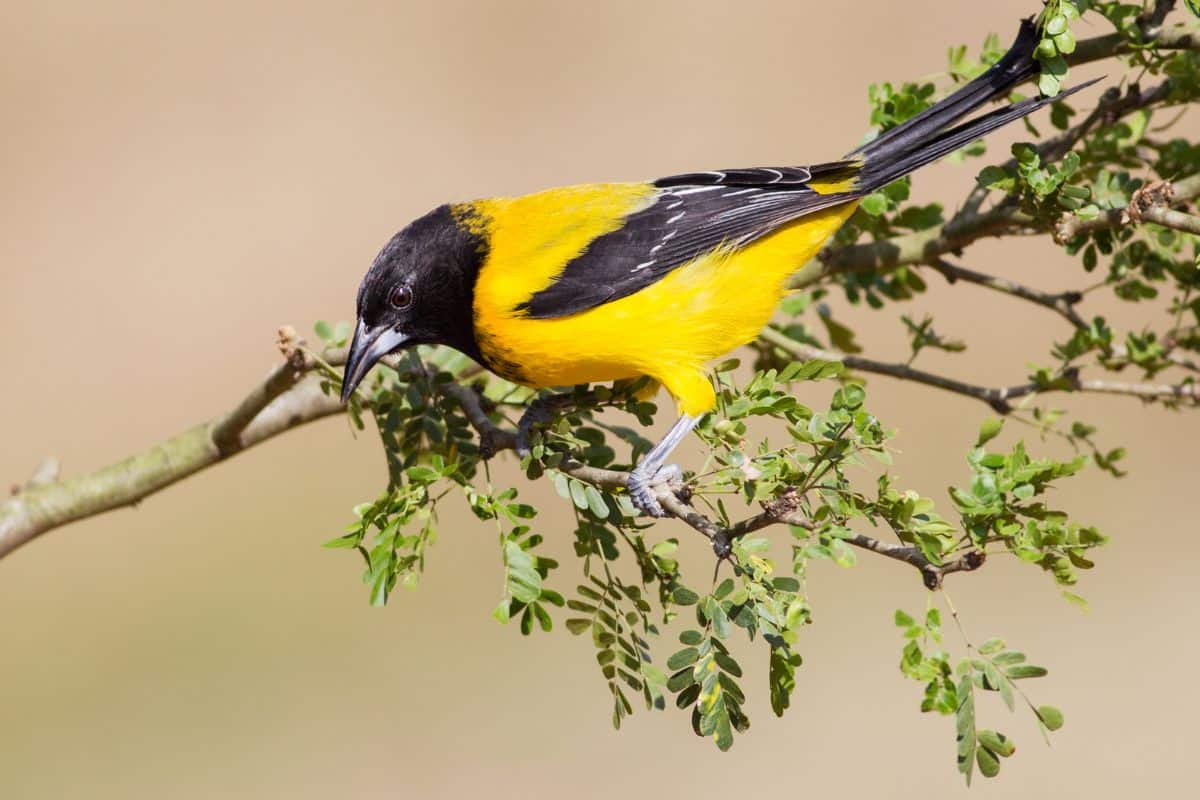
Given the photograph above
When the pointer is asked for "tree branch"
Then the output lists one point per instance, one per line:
(39, 509)
(1170, 37)
(926, 247)
(920, 247)
(786, 510)
(970, 224)
(290, 397)
(996, 397)
(1152, 203)
(1111, 107)
(1061, 303)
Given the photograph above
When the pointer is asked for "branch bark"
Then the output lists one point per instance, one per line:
(34, 511)
(1153, 203)
(1061, 303)
(1169, 37)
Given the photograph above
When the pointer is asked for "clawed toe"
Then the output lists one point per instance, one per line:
(640, 487)
(523, 432)
(536, 413)
(643, 499)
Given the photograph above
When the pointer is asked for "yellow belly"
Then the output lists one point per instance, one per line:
(669, 330)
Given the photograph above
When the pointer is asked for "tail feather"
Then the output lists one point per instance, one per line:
(929, 136)
(1014, 68)
(879, 171)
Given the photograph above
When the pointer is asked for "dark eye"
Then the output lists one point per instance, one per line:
(400, 297)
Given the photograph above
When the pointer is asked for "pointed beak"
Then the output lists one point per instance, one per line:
(369, 345)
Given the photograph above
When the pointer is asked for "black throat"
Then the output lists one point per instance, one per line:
(457, 248)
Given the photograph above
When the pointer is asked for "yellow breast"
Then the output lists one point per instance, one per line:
(668, 330)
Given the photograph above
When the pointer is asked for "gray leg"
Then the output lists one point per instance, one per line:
(650, 470)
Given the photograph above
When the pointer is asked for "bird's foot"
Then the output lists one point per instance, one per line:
(641, 485)
(538, 412)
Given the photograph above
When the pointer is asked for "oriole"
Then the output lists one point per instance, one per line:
(619, 280)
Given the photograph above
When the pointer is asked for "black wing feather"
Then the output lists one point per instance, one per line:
(692, 215)
(756, 176)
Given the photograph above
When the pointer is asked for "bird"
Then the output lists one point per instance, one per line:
(609, 281)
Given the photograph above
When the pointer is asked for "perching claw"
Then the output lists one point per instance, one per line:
(540, 411)
(651, 471)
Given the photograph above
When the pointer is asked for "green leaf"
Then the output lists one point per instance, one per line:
(994, 177)
(683, 658)
(578, 625)
(989, 430)
(1076, 600)
(727, 663)
(964, 724)
(989, 764)
(595, 501)
(814, 370)
(665, 549)
(1025, 671)
(523, 581)
(579, 494)
(380, 587)
(875, 204)
(782, 679)
(997, 743)
(722, 732)
(1051, 717)
(1049, 85)
(991, 646)
(682, 679)
(1056, 25)
(840, 336)
(684, 596)
(720, 620)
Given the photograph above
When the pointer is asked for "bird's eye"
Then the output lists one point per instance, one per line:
(400, 297)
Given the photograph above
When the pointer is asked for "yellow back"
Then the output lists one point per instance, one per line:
(669, 330)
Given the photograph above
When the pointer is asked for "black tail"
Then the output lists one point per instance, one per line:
(927, 136)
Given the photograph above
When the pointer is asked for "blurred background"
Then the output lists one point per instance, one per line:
(179, 179)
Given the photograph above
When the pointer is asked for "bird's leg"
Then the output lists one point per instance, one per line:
(650, 471)
(539, 411)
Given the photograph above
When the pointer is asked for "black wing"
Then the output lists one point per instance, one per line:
(692, 214)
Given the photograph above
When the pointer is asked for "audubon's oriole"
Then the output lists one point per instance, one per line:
(619, 280)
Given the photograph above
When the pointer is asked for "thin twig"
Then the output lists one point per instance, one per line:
(1061, 303)
(1170, 37)
(1112, 106)
(996, 397)
(1153, 203)
(42, 508)
(786, 511)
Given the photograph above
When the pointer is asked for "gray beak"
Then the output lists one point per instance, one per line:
(369, 345)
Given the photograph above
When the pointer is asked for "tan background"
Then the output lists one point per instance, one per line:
(176, 180)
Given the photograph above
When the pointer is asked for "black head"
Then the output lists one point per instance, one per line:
(420, 290)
